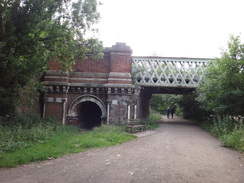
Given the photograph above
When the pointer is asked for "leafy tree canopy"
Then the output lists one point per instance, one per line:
(34, 31)
(160, 102)
(223, 88)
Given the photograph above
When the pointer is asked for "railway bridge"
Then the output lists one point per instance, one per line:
(117, 87)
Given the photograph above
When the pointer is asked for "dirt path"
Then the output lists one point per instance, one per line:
(177, 152)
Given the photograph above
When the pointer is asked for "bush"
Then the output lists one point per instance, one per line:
(222, 126)
(22, 131)
(152, 121)
(230, 133)
(235, 139)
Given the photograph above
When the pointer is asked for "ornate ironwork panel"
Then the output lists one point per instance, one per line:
(168, 71)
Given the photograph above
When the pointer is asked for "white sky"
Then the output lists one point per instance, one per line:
(171, 28)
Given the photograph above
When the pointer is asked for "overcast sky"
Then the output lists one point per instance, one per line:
(171, 28)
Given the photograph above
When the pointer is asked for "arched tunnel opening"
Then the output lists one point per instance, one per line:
(89, 115)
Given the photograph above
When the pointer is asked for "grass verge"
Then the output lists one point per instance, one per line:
(230, 133)
(67, 139)
(152, 121)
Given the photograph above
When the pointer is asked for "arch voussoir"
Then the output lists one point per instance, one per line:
(86, 98)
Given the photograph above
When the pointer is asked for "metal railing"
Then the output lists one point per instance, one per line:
(168, 71)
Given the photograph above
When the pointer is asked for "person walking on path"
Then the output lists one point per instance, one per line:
(172, 111)
(168, 112)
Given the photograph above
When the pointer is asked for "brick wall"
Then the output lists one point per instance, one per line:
(120, 63)
(94, 77)
(93, 66)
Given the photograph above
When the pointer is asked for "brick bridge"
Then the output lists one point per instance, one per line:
(116, 88)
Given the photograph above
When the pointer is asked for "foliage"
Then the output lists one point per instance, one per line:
(106, 135)
(223, 88)
(32, 32)
(66, 139)
(186, 105)
(22, 131)
(230, 133)
(235, 139)
(152, 121)
(190, 108)
(160, 102)
(135, 70)
(222, 126)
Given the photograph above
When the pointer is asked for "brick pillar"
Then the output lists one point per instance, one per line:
(120, 64)
(144, 104)
(119, 80)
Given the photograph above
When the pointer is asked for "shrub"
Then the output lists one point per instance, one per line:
(222, 126)
(234, 139)
(22, 131)
(152, 121)
(230, 133)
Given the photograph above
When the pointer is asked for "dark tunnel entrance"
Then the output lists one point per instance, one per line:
(89, 115)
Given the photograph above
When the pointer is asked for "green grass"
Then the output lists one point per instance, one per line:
(152, 121)
(235, 139)
(67, 139)
(22, 131)
(230, 133)
(28, 138)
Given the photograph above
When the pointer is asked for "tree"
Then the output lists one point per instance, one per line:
(222, 90)
(191, 109)
(160, 102)
(34, 31)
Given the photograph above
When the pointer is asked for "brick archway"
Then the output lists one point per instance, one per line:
(86, 98)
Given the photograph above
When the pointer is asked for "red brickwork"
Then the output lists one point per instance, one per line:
(92, 66)
(54, 109)
(108, 79)
(53, 65)
(120, 63)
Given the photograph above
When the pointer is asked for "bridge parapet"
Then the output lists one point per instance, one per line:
(168, 71)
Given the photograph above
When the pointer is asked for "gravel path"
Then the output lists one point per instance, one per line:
(177, 152)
